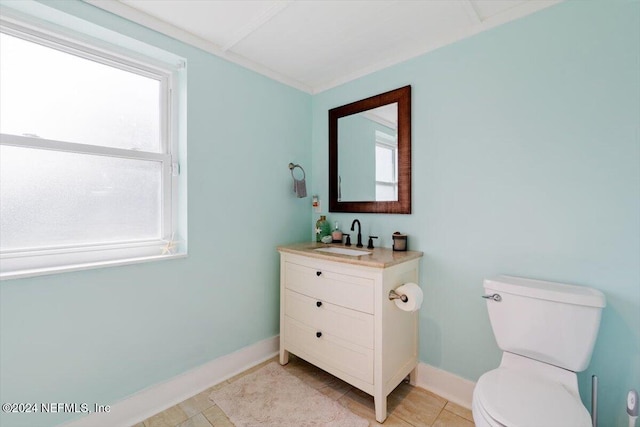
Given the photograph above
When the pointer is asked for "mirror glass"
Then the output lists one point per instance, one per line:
(370, 154)
(368, 139)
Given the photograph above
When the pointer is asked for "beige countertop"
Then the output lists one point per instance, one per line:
(380, 257)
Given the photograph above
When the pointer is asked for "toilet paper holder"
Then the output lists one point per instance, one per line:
(394, 295)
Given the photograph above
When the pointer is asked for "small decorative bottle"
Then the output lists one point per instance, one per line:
(323, 228)
(336, 234)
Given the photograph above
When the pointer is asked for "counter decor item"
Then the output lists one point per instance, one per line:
(323, 229)
(399, 241)
(336, 234)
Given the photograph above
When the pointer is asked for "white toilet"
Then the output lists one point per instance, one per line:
(546, 332)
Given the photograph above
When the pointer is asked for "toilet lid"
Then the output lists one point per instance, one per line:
(516, 399)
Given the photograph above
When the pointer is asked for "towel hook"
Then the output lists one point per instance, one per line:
(292, 167)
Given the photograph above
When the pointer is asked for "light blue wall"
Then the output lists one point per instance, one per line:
(526, 161)
(101, 335)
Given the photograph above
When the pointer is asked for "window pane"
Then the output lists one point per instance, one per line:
(56, 95)
(386, 193)
(50, 198)
(384, 164)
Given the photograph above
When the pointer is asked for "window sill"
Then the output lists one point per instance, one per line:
(85, 266)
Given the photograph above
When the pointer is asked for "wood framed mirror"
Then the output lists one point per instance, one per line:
(370, 154)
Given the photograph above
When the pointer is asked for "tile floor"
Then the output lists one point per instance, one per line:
(406, 405)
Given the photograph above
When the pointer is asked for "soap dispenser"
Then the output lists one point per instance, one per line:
(336, 234)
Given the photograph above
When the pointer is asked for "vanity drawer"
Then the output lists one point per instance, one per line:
(329, 350)
(340, 289)
(350, 325)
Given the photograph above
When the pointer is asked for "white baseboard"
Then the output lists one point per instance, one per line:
(159, 397)
(452, 387)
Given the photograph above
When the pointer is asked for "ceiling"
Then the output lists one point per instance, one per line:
(318, 44)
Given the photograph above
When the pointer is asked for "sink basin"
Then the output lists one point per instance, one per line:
(343, 251)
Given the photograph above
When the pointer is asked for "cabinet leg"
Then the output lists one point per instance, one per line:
(284, 357)
(381, 408)
(413, 376)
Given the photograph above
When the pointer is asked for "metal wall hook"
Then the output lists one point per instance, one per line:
(293, 166)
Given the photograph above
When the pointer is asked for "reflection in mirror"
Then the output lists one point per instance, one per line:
(368, 139)
(370, 154)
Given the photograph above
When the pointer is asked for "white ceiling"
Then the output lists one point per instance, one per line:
(318, 44)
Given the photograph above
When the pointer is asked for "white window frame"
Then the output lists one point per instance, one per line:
(46, 260)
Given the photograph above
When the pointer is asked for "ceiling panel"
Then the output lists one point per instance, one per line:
(317, 44)
(216, 21)
(488, 8)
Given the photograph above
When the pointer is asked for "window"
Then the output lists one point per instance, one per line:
(386, 167)
(88, 155)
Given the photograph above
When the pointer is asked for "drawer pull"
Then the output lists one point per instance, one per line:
(318, 334)
(318, 303)
(318, 273)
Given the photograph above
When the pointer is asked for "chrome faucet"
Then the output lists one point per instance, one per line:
(359, 244)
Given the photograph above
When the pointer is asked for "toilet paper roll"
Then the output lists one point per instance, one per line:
(414, 297)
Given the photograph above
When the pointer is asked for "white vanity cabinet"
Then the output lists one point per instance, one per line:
(335, 313)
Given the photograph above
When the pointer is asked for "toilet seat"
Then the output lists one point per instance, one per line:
(517, 399)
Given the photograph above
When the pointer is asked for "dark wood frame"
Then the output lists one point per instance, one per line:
(403, 206)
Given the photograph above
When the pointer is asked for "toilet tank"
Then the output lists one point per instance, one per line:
(545, 321)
